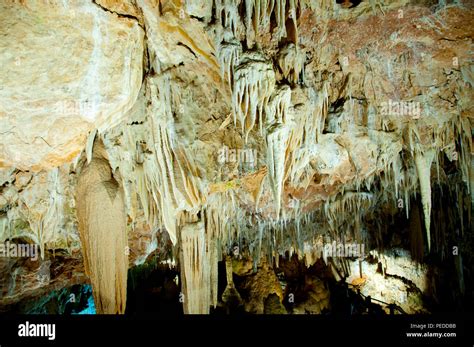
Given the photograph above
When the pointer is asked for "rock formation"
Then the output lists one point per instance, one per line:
(102, 225)
(341, 122)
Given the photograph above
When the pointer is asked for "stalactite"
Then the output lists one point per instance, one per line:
(48, 220)
(229, 53)
(201, 247)
(102, 228)
(471, 179)
(407, 198)
(276, 109)
(53, 219)
(148, 199)
(4, 227)
(300, 172)
(214, 225)
(396, 175)
(170, 178)
(90, 145)
(356, 204)
(212, 244)
(305, 133)
(277, 139)
(320, 102)
(291, 61)
(254, 81)
(165, 180)
(227, 13)
(195, 269)
(282, 14)
(258, 14)
(189, 182)
(464, 134)
(259, 191)
(423, 162)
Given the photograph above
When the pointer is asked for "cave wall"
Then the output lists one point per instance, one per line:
(277, 126)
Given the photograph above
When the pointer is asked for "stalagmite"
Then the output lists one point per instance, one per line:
(423, 167)
(102, 228)
(230, 295)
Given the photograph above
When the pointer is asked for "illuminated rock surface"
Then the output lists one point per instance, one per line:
(336, 123)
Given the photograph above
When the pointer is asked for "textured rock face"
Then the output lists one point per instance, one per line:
(261, 128)
(67, 68)
(102, 226)
(393, 278)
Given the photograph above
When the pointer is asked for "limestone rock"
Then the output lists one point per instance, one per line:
(67, 68)
(256, 131)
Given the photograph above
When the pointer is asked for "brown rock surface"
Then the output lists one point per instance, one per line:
(172, 89)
